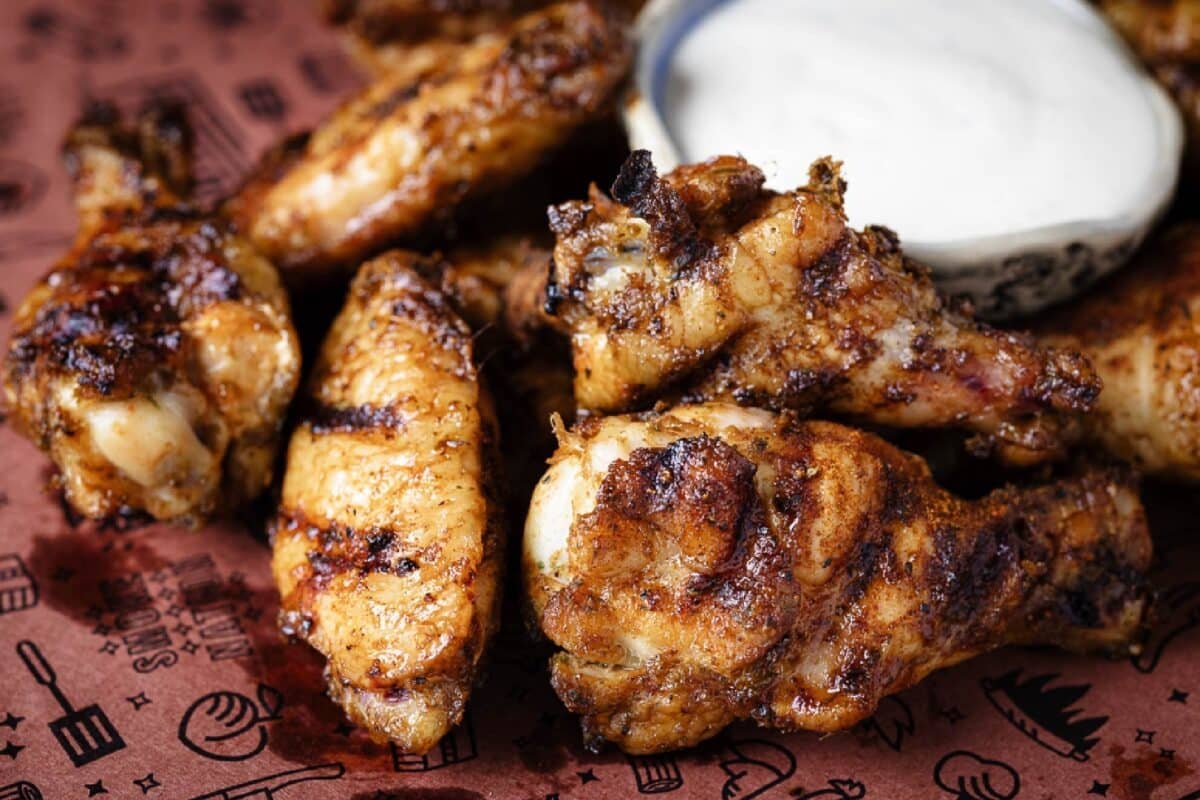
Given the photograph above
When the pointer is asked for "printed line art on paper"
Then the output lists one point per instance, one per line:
(85, 734)
(968, 776)
(228, 725)
(18, 589)
(274, 786)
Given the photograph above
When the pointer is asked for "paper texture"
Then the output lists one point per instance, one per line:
(145, 663)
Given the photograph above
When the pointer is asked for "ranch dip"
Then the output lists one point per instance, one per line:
(956, 119)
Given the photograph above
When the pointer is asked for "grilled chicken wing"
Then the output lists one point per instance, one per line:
(409, 148)
(387, 36)
(476, 278)
(530, 373)
(716, 563)
(389, 539)
(1142, 331)
(154, 363)
(705, 285)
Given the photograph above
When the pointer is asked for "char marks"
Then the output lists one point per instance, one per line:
(323, 419)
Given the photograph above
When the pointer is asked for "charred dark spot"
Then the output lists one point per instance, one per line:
(803, 387)
(825, 279)
(324, 419)
(396, 98)
(378, 542)
(673, 233)
(964, 577)
(337, 549)
(114, 318)
(554, 294)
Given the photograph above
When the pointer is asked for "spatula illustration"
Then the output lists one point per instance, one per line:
(85, 734)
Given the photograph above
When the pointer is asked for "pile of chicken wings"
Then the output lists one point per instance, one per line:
(718, 375)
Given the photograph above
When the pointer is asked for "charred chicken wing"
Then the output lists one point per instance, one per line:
(704, 285)
(388, 543)
(410, 147)
(1142, 331)
(716, 563)
(155, 361)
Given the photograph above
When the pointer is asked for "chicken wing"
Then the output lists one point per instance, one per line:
(715, 563)
(389, 538)
(529, 373)
(704, 285)
(408, 149)
(388, 35)
(1142, 331)
(154, 363)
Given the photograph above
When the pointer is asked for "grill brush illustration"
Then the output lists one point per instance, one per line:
(1044, 713)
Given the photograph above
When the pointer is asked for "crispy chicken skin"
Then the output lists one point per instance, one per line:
(388, 542)
(388, 35)
(380, 21)
(704, 285)
(155, 362)
(1142, 331)
(410, 147)
(716, 563)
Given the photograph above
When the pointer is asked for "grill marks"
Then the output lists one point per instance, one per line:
(115, 309)
(841, 571)
(322, 419)
(388, 539)
(471, 124)
(673, 233)
(726, 290)
(337, 549)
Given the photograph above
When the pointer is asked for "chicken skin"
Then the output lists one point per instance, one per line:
(716, 563)
(389, 538)
(1142, 331)
(703, 285)
(155, 362)
(407, 150)
(530, 374)
(387, 36)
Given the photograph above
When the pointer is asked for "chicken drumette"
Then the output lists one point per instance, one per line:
(703, 285)
(715, 563)
(389, 538)
(418, 141)
(1142, 332)
(154, 363)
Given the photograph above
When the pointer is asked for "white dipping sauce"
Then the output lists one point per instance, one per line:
(955, 119)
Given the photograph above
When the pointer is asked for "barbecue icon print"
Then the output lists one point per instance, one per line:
(21, 790)
(228, 725)
(273, 787)
(84, 734)
(18, 590)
